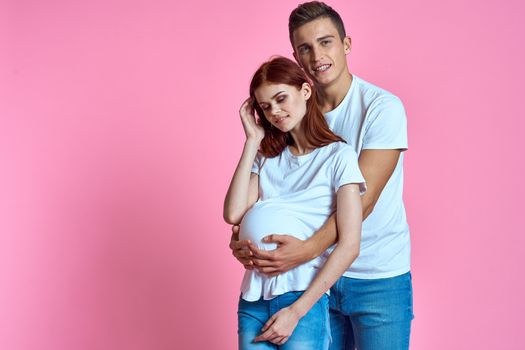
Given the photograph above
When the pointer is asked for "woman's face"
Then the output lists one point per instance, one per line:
(284, 106)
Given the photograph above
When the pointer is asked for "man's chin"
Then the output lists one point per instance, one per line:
(320, 79)
(322, 82)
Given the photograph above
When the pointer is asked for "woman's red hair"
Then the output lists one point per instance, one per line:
(281, 70)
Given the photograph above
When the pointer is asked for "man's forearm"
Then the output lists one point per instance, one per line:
(326, 236)
(323, 239)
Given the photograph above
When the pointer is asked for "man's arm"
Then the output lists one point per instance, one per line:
(376, 166)
(291, 251)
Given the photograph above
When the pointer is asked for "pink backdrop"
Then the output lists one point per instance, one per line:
(119, 132)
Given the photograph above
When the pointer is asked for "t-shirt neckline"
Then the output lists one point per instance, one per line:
(302, 158)
(344, 102)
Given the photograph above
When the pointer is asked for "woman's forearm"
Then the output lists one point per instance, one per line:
(335, 266)
(349, 217)
(237, 199)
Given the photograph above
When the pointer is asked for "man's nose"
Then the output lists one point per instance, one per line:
(316, 53)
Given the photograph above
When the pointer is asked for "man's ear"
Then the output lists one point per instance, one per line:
(306, 90)
(347, 43)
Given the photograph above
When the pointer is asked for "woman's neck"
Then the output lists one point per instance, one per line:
(300, 145)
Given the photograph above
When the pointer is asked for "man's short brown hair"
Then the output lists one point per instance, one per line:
(309, 11)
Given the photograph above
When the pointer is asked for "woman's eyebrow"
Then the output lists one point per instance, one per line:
(273, 96)
(278, 93)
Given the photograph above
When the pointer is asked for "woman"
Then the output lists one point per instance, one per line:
(291, 186)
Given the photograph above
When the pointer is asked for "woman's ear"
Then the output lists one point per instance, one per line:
(306, 90)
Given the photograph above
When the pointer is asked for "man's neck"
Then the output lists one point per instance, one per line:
(331, 96)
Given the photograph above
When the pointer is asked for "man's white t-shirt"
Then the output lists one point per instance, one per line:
(372, 118)
(297, 195)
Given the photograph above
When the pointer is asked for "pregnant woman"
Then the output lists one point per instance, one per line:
(292, 174)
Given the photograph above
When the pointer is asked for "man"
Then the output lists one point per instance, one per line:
(371, 305)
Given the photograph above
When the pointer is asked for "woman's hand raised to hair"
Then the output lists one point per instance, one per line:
(253, 131)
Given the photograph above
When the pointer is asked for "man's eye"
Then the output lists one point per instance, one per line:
(325, 42)
(304, 49)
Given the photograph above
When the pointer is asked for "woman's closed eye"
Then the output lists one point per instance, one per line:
(281, 98)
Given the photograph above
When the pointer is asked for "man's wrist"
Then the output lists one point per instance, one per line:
(311, 250)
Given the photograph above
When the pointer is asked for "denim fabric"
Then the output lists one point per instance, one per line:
(373, 314)
(312, 331)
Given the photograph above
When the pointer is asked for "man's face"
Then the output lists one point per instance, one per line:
(320, 51)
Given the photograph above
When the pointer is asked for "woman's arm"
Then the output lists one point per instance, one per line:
(244, 186)
(349, 216)
(243, 190)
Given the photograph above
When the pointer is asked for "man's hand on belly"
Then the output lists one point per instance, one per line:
(290, 253)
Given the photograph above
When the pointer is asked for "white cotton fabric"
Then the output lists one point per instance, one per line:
(297, 195)
(372, 118)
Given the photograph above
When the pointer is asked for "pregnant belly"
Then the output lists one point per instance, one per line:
(265, 218)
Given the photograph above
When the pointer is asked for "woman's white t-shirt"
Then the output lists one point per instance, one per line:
(297, 194)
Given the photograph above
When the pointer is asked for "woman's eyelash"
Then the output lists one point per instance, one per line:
(279, 100)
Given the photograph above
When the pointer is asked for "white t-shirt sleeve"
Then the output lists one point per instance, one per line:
(346, 170)
(258, 163)
(386, 126)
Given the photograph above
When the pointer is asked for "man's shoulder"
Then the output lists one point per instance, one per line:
(371, 94)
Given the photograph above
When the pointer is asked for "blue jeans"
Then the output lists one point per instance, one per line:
(312, 331)
(371, 314)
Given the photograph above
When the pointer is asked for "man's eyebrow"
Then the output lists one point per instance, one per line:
(326, 37)
(301, 45)
(329, 36)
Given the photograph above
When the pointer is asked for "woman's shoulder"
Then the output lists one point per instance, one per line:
(339, 154)
(339, 148)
